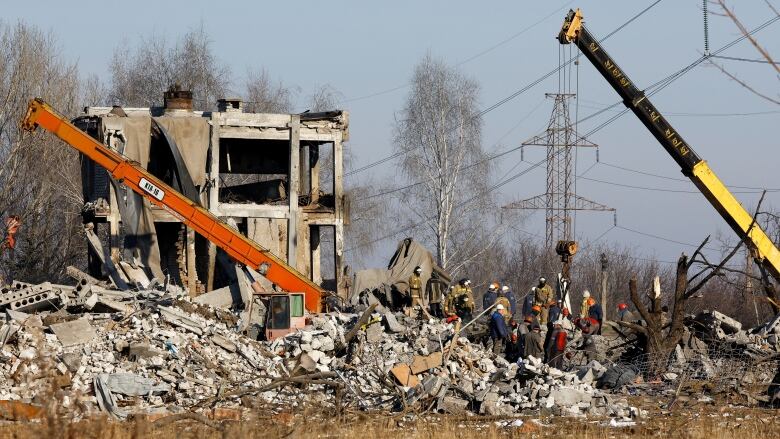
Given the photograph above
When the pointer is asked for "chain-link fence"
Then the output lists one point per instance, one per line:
(719, 366)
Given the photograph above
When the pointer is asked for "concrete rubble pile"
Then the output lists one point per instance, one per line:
(714, 348)
(156, 351)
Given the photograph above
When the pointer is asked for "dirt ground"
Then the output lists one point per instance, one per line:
(690, 422)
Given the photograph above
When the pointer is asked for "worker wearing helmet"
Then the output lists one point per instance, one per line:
(456, 299)
(585, 304)
(543, 294)
(464, 302)
(490, 296)
(415, 287)
(596, 313)
(624, 315)
(499, 332)
(510, 296)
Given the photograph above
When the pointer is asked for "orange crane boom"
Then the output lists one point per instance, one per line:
(240, 248)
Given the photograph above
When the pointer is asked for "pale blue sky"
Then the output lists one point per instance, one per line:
(362, 48)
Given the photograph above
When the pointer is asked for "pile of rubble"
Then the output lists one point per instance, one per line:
(157, 351)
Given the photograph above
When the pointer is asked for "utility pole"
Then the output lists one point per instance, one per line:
(560, 200)
(604, 275)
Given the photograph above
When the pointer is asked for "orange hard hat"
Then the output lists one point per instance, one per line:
(622, 306)
(536, 308)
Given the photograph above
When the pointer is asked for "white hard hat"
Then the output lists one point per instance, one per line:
(586, 294)
(468, 282)
(493, 287)
(499, 306)
(542, 279)
(505, 288)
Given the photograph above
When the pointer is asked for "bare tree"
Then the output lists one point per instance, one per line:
(324, 98)
(93, 92)
(265, 96)
(438, 135)
(766, 57)
(140, 75)
(39, 176)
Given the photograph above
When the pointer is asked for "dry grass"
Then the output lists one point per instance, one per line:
(709, 423)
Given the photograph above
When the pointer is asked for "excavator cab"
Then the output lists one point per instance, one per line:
(285, 314)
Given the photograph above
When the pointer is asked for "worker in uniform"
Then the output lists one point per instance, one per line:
(435, 294)
(415, 287)
(553, 315)
(624, 315)
(596, 313)
(543, 294)
(536, 312)
(449, 303)
(584, 305)
(514, 348)
(463, 288)
(490, 296)
(464, 303)
(504, 301)
(533, 343)
(556, 346)
(499, 332)
(449, 307)
(507, 292)
(528, 304)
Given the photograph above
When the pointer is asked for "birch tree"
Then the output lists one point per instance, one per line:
(438, 136)
(39, 176)
(140, 75)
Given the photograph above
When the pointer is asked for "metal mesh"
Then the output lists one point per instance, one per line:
(723, 366)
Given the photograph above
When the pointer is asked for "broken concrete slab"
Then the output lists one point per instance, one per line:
(220, 298)
(403, 374)
(223, 342)
(180, 319)
(22, 318)
(130, 384)
(421, 363)
(569, 396)
(137, 351)
(75, 332)
(726, 322)
(391, 323)
(453, 405)
(374, 333)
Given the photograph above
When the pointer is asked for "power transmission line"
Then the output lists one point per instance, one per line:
(658, 189)
(461, 168)
(684, 180)
(511, 96)
(734, 58)
(469, 59)
(461, 204)
(660, 85)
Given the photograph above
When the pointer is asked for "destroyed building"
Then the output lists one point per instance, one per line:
(277, 178)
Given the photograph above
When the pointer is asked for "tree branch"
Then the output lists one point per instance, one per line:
(744, 84)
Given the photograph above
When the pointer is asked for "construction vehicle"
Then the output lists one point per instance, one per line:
(285, 310)
(693, 167)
